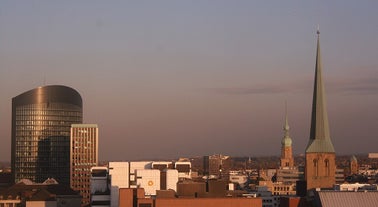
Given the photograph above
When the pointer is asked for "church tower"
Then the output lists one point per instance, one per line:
(353, 165)
(320, 154)
(287, 161)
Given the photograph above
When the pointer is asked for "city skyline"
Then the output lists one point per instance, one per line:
(172, 79)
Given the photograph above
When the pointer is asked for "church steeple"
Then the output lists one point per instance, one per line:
(320, 140)
(287, 160)
(320, 154)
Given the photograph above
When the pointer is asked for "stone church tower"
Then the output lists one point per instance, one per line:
(320, 164)
(287, 160)
(353, 165)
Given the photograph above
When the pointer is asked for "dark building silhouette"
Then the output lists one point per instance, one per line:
(41, 122)
(217, 166)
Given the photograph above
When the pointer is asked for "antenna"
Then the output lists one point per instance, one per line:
(318, 30)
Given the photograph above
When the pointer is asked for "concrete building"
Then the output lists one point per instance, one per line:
(320, 164)
(41, 122)
(290, 176)
(278, 188)
(339, 176)
(149, 180)
(149, 175)
(184, 168)
(83, 156)
(162, 165)
(119, 175)
(100, 188)
(172, 178)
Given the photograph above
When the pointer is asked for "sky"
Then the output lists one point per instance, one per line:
(168, 79)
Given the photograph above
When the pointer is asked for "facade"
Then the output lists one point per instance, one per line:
(119, 175)
(320, 164)
(278, 188)
(289, 176)
(83, 156)
(148, 179)
(100, 192)
(153, 177)
(41, 122)
(184, 168)
(287, 160)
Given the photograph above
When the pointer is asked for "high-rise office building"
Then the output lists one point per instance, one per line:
(83, 156)
(41, 122)
(320, 155)
(217, 166)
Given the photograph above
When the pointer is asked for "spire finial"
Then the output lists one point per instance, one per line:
(318, 30)
(286, 127)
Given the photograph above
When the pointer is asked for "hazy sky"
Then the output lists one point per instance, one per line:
(168, 79)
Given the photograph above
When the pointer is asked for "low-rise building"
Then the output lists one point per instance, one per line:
(50, 193)
(135, 198)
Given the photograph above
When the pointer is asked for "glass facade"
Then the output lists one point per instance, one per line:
(41, 122)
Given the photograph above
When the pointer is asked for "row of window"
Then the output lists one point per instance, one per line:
(46, 111)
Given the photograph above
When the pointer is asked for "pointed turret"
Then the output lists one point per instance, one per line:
(320, 140)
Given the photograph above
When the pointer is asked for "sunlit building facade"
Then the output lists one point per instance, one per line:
(83, 156)
(41, 122)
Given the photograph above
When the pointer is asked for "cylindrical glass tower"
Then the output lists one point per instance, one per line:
(41, 122)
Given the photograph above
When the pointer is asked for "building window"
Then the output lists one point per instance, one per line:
(327, 166)
(315, 167)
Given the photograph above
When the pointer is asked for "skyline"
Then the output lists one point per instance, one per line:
(168, 79)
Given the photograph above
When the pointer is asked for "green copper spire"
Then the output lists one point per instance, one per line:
(320, 140)
(286, 141)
